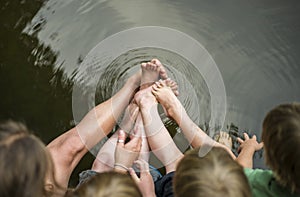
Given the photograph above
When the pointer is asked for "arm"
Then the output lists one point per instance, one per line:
(68, 149)
(167, 98)
(248, 148)
(195, 135)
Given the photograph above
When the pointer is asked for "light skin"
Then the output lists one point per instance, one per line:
(168, 153)
(196, 136)
(225, 139)
(247, 149)
(151, 71)
(126, 154)
(145, 182)
(105, 157)
(68, 149)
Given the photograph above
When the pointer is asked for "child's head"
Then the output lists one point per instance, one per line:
(215, 174)
(24, 162)
(281, 137)
(108, 184)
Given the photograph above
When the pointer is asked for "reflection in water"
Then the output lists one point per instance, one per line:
(255, 45)
(32, 90)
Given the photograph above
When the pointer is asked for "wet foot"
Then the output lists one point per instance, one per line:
(165, 93)
(224, 138)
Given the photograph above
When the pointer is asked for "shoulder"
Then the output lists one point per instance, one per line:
(263, 183)
(258, 173)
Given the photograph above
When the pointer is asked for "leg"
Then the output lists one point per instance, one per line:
(105, 157)
(139, 131)
(191, 131)
(68, 149)
(168, 153)
(150, 73)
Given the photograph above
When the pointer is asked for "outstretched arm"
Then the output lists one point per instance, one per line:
(247, 150)
(68, 149)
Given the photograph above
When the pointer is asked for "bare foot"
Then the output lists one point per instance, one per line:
(162, 72)
(150, 74)
(135, 80)
(144, 98)
(224, 138)
(165, 93)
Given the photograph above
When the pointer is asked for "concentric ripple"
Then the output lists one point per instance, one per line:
(106, 68)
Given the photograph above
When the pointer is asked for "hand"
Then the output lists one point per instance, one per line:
(126, 154)
(145, 182)
(249, 143)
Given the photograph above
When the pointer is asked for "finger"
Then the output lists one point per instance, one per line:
(254, 137)
(145, 167)
(133, 175)
(134, 144)
(138, 164)
(260, 145)
(221, 134)
(121, 138)
(239, 149)
(240, 140)
(246, 136)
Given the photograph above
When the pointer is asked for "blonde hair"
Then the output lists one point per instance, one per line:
(24, 162)
(109, 184)
(281, 137)
(215, 174)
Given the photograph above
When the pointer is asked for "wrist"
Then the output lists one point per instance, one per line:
(149, 195)
(120, 168)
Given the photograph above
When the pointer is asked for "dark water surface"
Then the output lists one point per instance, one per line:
(255, 44)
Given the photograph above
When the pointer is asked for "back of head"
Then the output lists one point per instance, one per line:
(109, 184)
(215, 174)
(281, 137)
(23, 162)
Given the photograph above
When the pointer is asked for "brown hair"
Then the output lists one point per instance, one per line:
(24, 162)
(215, 174)
(281, 137)
(109, 184)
